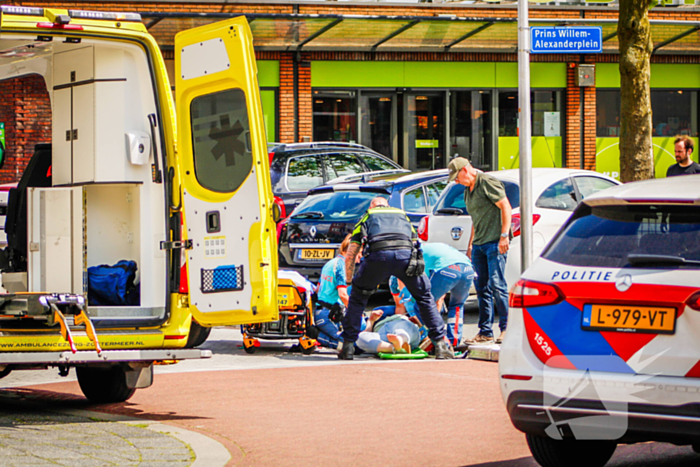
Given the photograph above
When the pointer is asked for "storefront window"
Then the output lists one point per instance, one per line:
(607, 113)
(546, 109)
(470, 117)
(335, 117)
(673, 113)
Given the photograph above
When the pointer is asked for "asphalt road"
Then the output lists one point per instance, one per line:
(277, 408)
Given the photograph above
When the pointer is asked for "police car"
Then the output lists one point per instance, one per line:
(603, 343)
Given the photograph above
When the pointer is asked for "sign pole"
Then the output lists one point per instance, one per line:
(525, 141)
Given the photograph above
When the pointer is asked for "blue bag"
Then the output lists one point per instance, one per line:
(113, 285)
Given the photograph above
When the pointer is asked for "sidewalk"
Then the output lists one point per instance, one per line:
(36, 434)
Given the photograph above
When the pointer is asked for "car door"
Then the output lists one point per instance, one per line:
(225, 181)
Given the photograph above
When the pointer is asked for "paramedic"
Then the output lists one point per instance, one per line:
(450, 271)
(332, 298)
(390, 240)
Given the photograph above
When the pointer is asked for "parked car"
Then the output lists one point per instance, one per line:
(297, 168)
(313, 233)
(603, 342)
(556, 192)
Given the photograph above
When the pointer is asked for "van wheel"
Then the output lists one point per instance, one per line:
(198, 335)
(6, 371)
(550, 452)
(104, 385)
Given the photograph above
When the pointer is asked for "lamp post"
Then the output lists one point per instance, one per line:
(525, 140)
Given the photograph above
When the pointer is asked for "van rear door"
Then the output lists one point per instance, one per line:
(226, 192)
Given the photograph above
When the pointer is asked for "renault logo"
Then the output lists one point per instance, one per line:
(623, 283)
(312, 231)
(457, 233)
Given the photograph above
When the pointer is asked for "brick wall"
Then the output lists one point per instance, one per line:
(26, 111)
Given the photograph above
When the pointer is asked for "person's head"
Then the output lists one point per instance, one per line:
(345, 244)
(379, 201)
(684, 148)
(461, 171)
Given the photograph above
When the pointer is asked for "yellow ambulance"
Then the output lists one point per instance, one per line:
(180, 201)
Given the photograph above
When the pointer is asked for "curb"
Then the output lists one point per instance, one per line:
(208, 452)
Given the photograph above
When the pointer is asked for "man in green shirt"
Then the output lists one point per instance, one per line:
(486, 202)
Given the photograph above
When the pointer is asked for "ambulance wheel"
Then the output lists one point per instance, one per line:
(308, 351)
(104, 385)
(550, 452)
(6, 371)
(198, 335)
(249, 350)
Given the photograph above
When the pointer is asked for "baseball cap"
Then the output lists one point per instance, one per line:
(455, 165)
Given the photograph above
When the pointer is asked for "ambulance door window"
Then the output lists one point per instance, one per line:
(221, 140)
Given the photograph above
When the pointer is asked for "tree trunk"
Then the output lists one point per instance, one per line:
(634, 33)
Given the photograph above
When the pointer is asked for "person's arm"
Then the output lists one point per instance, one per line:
(400, 307)
(471, 239)
(343, 294)
(372, 320)
(504, 242)
(350, 258)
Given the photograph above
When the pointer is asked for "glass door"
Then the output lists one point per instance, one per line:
(378, 123)
(425, 131)
(470, 127)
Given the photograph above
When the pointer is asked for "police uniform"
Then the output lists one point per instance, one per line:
(388, 238)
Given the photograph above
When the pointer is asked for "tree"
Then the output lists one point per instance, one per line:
(634, 33)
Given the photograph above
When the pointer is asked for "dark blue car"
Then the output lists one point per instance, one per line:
(312, 234)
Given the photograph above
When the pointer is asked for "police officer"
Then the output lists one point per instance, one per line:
(389, 241)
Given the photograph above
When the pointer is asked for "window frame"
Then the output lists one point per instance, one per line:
(286, 171)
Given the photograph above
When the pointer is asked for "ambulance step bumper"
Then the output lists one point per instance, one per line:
(106, 356)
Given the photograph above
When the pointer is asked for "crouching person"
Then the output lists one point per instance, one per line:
(332, 300)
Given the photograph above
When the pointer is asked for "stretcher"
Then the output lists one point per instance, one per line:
(296, 315)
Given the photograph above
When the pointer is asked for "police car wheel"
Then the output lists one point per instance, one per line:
(550, 452)
(104, 385)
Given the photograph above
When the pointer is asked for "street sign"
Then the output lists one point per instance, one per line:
(566, 40)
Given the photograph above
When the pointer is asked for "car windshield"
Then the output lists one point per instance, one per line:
(648, 236)
(453, 198)
(341, 206)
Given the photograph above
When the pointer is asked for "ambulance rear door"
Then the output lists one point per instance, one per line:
(226, 190)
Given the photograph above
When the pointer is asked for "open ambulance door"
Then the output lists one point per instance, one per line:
(226, 189)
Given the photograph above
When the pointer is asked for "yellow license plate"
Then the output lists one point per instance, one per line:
(316, 254)
(630, 318)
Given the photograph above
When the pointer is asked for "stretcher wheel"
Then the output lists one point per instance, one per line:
(249, 350)
(308, 351)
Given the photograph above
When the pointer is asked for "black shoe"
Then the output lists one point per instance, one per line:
(348, 351)
(443, 350)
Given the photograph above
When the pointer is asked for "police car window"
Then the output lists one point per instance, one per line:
(559, 195)
(221, 140)
(605, 236)
(304, 173)
(453, 197)
(376, 162)
(414, 200)
(589, 185)
(434, 190)
(338, 165)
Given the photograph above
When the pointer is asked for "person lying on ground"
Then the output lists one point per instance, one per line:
(395, 334)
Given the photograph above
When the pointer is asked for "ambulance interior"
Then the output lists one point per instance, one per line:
(102, 204)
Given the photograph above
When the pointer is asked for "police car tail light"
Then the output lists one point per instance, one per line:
(694, 301)
(423, 229)
(527, 293)
(515, 223)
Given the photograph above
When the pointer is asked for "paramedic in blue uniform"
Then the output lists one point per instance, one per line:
(389, 241)
(332, 298)
(450, 271)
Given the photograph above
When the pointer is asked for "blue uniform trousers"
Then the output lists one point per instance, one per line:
(376, 268)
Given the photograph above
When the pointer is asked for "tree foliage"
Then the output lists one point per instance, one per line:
(634, 34)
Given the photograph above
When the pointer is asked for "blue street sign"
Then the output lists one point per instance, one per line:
(566, 40)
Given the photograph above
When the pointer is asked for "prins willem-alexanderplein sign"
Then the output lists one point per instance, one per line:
(576, 40)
